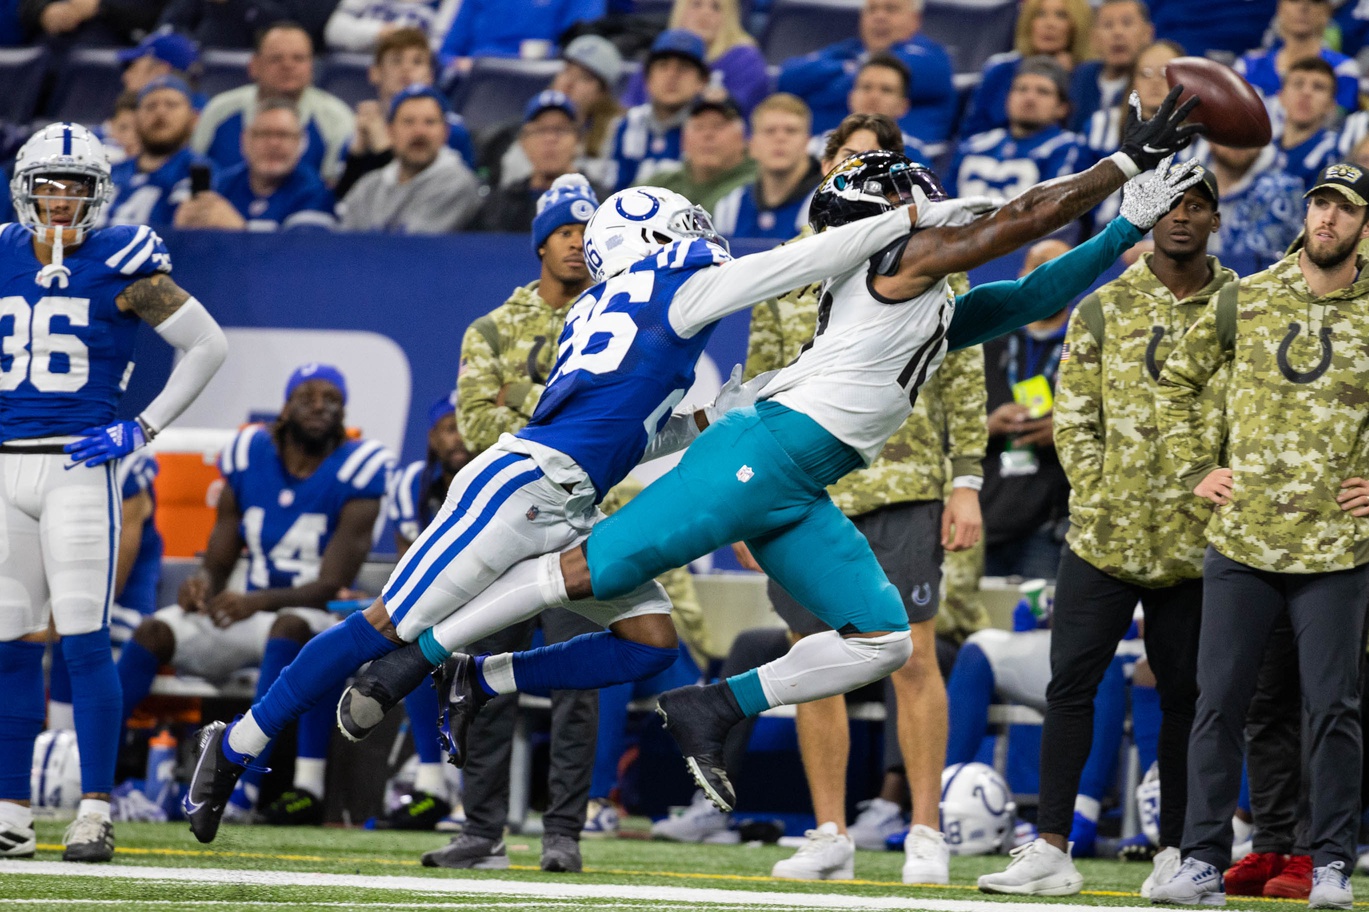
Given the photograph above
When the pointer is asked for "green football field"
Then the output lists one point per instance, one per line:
(161, 867)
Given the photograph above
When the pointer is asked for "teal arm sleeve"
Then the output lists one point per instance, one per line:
(988, 311)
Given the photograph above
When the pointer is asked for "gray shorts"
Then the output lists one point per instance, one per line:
(906, 539)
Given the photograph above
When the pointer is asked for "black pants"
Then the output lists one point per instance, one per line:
(574, 730)
(1241, 608)
(1092, 613)
(1273, 744)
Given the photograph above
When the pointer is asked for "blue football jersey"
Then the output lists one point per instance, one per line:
(287, 522)
(135, 476)
(65, 352)
(1305, 160)
(620, 368)
(150, 199)
(302, 201)
(997, 164)
(415, 497)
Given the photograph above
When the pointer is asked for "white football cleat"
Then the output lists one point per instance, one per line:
(825, 855)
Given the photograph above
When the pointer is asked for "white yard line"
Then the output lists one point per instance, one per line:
(562, 891)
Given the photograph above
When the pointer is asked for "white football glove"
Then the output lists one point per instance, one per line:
(736, 394)
(953, 213)
(1149, 197)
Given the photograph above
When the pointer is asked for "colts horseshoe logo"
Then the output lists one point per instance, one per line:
(653, 207)
(1156, 334)
(1297, 376)
(534, 372)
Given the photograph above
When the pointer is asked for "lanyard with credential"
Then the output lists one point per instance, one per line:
(1049, 348)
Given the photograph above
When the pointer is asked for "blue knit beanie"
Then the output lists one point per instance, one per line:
(570, 200)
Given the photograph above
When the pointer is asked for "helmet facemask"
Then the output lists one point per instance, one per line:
(76, 195)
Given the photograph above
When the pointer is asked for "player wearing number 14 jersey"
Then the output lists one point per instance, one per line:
(71, 298)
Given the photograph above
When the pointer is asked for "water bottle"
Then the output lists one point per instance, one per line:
(161, 787)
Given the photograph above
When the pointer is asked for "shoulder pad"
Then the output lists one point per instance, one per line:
(366, 465)
(237, 453)
(135, 250)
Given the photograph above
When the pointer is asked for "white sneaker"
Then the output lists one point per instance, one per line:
(825, 855)
(877, 821)
(1196, 883)
(700, 822)
(17, 840)
(601, 820)
(1331, 888)
(927, 857)
(1167, 862)
(1037, 869)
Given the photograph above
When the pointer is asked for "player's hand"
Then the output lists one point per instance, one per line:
(1216, 487)
(735, 394)
(1146, 142)
(961, 521)
(227, 608)
(1354, 496)
(193, 593)
(953, 213)
(99, 445)
(1007, 420)
(1149, 197)
(744, 557)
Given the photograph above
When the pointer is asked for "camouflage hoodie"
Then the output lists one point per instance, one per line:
(1129, 516)
(1297, 417)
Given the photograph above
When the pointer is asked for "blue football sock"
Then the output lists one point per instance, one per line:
(421, 705)
(279, 652)
(95, 681)
(608, 747)
(746, 688)
(316, 726)
(588, 662)
(137, 670)
(59, 679)
(322, 666)
(21, 715)
(968, 693)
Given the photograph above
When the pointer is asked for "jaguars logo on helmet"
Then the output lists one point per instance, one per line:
(869, 183)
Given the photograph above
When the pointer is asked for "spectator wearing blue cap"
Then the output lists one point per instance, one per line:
(550, 139)
(733, 59)
(824, 78)
(271, 189)
(714, 154)
(162, 53)
(92, 22)
(513, 28)
(148, 188)
(282, 66)
(402, 58)
(648, 137)
(427, 188)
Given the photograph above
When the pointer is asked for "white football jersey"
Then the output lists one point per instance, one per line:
(859, 375)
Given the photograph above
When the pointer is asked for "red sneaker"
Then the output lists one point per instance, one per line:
(1294, 881)
(1248, 876)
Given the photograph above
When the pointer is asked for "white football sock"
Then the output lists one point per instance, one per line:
(93, 806)
(429, 779)
(310, 773)
(497, 670)
(61, 715)
(246, 736)
(521, 593)
(1087, 807)
(827, 664)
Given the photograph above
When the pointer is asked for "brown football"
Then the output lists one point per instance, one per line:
(1229, 106)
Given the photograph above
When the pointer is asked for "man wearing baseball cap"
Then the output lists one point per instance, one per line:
(1290, 534)
(648, 137)
(162, 53)
(714, 147)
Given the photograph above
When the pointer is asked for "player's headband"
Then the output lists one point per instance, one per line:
(316, 371)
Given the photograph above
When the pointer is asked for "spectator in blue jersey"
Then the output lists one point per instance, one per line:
(1308, 99)
(1008, 161)
(282, 66)
(513, 28)
(549, 140)
(1229, 27)
(147, 189)
(163, 53)
(402, 58)
(1058, 29)
(647, 138)
(224, 23)
(416, 496)
(1121, 31)
(775, 204)
(301, 499)
(271, 190)
(427, 188)
(881, 87)
(1301, 29)
(359, 25)
(713, 160)
(824, 78)
(1352, 18)
(1261, 204)
(734, 61)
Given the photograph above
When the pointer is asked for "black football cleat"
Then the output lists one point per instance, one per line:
(211, 784)
(699, 718)
(463, 697)
(380, 688)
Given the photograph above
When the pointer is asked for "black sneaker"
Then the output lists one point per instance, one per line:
(297, 807)
(469, 852)
(561, 855)
(463, 697)
(211, 783)
(419, 811)
(699, 718)
(379, 689)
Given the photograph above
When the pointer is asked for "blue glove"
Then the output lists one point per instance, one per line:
(99, 445)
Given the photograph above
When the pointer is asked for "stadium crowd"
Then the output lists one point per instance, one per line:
(1025, 458)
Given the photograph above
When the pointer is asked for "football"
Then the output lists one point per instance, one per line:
(1229, 106)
